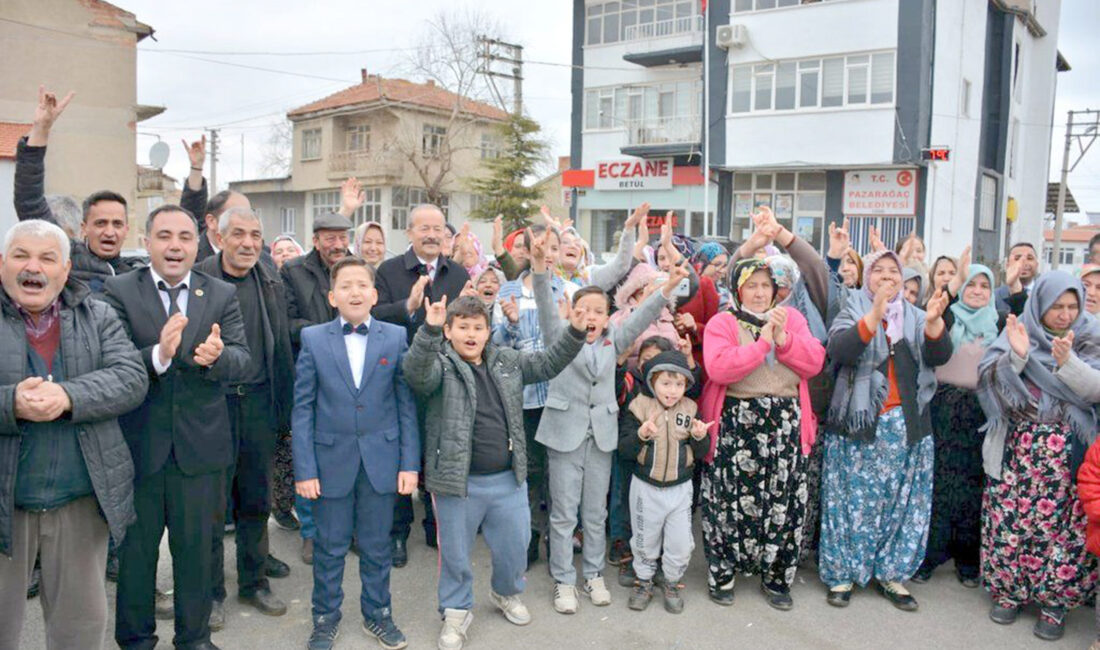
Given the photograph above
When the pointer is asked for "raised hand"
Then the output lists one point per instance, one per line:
(962, 271)
(435, 312)
(209, 350)
(196, 152)
(875, 241)
(638, 216)
(907, 247)
(48, 109)
(1012, 277)
(468, 289)
(510, 309)
(551, 222)
(684, 323)
(416, 294)
(1016, 332)
(1061, 347)
(537, 249)
(675, 274)
(498, 235)
(885, 293)
(839, 240)
(170, 336)
(352, 196)
(933, 313)
(648, 429)
(641, 242)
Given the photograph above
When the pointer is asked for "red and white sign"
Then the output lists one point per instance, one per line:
(629, 174)
(870, 192)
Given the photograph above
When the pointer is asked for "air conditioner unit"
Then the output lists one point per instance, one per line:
(731, 36)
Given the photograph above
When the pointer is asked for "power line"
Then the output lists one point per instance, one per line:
(252, 67)
(269, 53)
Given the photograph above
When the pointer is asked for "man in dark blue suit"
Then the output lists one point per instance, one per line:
(356, 445)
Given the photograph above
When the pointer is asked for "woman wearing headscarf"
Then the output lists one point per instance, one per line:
(370, 243)
(912, 286)
(1038, 385)
(712, 262)
(754, 488)
(877, 484)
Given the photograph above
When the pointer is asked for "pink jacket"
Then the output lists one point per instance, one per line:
(728, 362)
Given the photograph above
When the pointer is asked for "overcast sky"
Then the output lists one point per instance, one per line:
(216, 92)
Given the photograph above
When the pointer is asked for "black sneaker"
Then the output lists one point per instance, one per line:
(722, 595)
(640, 595)
(839, 596)
(896, 593)
(275, 568)
(970, 579)
(382, 627)
(1003, 614)
(922, 576)
(1051, 624)
(777, 597)
(431, 537)
(286, 520)
(626, 574)
(674, 601)
(324, 634)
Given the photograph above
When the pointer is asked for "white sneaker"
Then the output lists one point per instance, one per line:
(513, 608)
(597, 591)
(565, 598)
(455, 624)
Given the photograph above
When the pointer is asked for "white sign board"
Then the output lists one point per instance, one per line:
(632, 174)
(869, 192)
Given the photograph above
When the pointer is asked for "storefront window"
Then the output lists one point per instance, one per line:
(797, 199)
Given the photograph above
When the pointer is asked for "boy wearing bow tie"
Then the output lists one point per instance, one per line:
(356, 447)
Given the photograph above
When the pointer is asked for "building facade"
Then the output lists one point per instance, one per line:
(902, 114)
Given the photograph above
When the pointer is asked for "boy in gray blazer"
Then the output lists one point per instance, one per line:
(579, 426)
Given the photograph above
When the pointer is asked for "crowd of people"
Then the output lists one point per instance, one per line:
(870, 413)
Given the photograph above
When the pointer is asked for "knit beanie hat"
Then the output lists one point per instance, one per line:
(671, 361)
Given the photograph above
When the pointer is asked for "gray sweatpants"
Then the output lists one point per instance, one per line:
(72, 541)
(579, 478)
(661, 517)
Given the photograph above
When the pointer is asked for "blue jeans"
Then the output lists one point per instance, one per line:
(304, 508)
(499, 506)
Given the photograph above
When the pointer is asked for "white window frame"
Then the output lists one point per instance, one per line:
(777, 5)
(987, 203)
(649, 99)
(404, 198)
(311, 139)
(803, 67)
(595, 13)
(287, 217)
(324, 201)
(432, 140)
(763, 187)
(359, 132)
(491, 146)
(371, 210)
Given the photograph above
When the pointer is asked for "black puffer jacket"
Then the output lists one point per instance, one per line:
(107, 379)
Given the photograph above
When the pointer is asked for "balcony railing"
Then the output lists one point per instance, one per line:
(664, 130)
(366, 164)
(683, 25)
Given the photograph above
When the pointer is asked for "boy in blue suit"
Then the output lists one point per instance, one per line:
(356, 445)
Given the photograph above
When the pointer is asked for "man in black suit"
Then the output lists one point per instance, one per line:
(259, 409)
(403, 283)
(190, 333)
(306, 279)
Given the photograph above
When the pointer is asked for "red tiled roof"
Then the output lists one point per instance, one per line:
(1078, 234)
(10, 132)
(108, 15)
(400, 91)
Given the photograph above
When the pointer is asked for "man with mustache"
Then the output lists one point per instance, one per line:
(105, 224)
(188, 328)
(307, 283)
(259, 408)
(66, 477)
(424, 271)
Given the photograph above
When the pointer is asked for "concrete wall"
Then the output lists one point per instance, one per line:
(7, 190)
(92, 146)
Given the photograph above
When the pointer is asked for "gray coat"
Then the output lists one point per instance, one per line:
(445, 383)
(579, 400)
(106, 379)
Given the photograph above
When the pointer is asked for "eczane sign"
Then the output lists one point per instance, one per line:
(891, 192)
(634, 174)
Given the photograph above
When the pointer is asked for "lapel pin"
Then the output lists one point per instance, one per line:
(198, 293)
(384, 362)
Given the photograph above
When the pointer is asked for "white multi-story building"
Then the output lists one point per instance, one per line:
(823, 110)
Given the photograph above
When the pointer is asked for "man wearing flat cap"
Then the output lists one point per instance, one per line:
(306, 280)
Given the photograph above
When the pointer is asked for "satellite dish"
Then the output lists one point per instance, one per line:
(158, 154)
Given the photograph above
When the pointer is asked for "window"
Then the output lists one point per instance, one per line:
(740, 6)
(612, 22)
(964, 99)
(406, 198)
(798, 200)
(854, 80)
(433, 140)
(311, 144)
(357, 137)
(286, 220)
(668, 110)
(1066, 256)
(371, 210)
(324, 202)
(987, 215)
(491, 146)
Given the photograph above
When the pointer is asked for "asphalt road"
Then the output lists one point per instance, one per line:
(950, 616)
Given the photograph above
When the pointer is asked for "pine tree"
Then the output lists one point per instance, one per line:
(503, 190)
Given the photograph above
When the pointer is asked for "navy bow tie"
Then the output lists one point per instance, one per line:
(361, 328)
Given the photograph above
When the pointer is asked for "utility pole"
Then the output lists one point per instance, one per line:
(213, 162)
(1086, 134)
(489, 54)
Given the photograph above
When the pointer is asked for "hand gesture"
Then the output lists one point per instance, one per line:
(578, 318)
(764, 218)
(962, 270)
(310, 489)
(699, 428)
(675, 274)
(875, 241)
(907, 248)
(498, 235)
(510, 309)
(537, 250)
(170, 336)
(563, 309)
(551, 222)
(641, 242)
(416, 294)
(196, 152)
(1017, 336)
(936, 306)
(684, 323)
(648, 429)
(839, 240)
(209, 350)
(37, 400)
(767, 333)
(436, 312)
(1012, 277)
(468, 290)
(638, 216)
(406, 482)
(1061, 347)
(778, 320)
(352, 196)
(886, 292)
(49, 108)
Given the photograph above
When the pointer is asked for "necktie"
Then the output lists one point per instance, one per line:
(361, 328)
(430, 268)
(173, 294)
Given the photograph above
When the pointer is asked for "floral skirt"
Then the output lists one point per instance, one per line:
(876, 500)
(811, 526)
(955, 531)
(754, 493)
(1033, 523)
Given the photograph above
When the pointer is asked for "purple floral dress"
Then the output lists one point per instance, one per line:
(1033, 524)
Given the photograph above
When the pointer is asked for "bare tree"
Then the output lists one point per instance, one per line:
(278, 149)
(446, 54)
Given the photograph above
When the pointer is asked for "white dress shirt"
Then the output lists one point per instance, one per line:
(356, 345)
(181, 302)
(434, 264)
